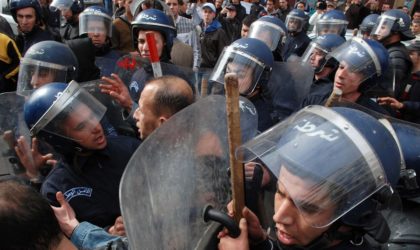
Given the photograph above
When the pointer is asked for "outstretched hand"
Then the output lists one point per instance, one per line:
(65, 215)
(31, 158)
(116, 88)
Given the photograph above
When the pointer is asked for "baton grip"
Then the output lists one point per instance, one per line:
(210, 213)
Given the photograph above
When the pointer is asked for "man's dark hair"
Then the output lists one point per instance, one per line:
(169, 99)
(248, 20)
(26, 218)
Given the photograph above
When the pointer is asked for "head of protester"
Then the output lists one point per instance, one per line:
(250, 59)
(295, 21)
(30, 220)
(392, 26)
(156, 21)
(67, 117)
(46, 62)
(96, 23)
(317, 51)
(360, 62)
(269, 29)
(27, 14)
(327, 198)
(332, 22)
(367, 25)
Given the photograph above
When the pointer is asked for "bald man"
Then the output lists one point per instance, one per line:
(160, 99)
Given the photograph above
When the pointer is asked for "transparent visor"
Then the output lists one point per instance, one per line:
(34, 74)
(61, 5)
(383, 27)
(74, 115)
(247, 68)
(330, 27)
(313, 55)
(267, 32)
(95, 24)
(324, 166)
(358, 57)
(294, 23)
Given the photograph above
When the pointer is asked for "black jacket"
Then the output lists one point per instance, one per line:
(26, 40)
(212, 39)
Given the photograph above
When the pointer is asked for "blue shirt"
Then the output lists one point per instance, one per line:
(90, 183)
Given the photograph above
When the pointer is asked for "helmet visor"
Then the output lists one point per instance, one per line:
(62, 5)
(294, 23)
(247, 68)
(34, 74)
(331, 27)
(358, 56)
(383, 27)
(95, 24)
(323, 187)
(74, 114)
(313, 55)
(267, 32)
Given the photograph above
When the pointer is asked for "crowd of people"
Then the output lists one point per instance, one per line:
(331, 151)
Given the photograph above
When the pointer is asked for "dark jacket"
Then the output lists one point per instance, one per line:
(232, 27)
(295, 44)
(26, 40)
(69, 30)
(240, 11)
(400, 63)
(212, 39)
(355, 15)
(90, 183)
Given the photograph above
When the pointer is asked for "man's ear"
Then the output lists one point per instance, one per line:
(162, 119)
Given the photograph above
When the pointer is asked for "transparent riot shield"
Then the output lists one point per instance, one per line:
(113, 113)
(176, 172)
(12, 126)
(289, 84)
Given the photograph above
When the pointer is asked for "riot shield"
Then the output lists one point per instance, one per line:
(113, 113)
(289, 84)
(178, 170)
(12, 126)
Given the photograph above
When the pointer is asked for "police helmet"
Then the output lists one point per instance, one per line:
(90, 21)
(155, 20)
(345, 158)
(250, 58)
(368, 23)
(332, 22)
(76, 6)
(393, 21)
(296, 20)
(16, 5)
(364, 56)
(49, 107)
(268, 29)
(323, 45)
(46, 62)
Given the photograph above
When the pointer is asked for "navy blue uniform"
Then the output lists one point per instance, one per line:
(90, 183)
(26, 40)
(295, 44)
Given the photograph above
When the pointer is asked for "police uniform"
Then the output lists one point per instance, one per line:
(25, 40)
(90, 183)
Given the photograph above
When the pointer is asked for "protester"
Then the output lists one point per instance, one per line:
(27, 14)
(28, 220)
(9, 63)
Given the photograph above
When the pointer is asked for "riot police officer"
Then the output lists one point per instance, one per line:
(332, 22)
(367, 25)
(325, 200)
(271, 31)
(252, 61)
(392, 27)
(68, 118)
(325, 68)
(296, 41)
